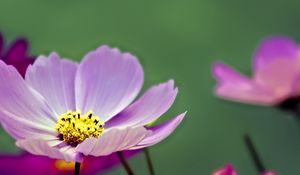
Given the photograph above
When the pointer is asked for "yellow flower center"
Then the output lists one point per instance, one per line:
(74, 128)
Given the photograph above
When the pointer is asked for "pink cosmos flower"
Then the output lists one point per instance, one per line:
(229, 170)
(28, 164)
(16, 54)
(276, 74)
(65, 110)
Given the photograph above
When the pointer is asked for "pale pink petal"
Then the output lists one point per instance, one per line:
(112, 140)
(21, 107)
(226, 170)
(160, 132)
(41, 147)
(87, 146)
(107, 81)
(54, 79)
(155, 102)
(224, 73)
(21, 128)
(234, 86)
(272, 48)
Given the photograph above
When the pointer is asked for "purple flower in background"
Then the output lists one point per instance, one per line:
(276, 75)
(229, 170)
(16, 54)
(65, 110)
(32, 164)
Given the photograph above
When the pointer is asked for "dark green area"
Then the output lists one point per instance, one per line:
(179, 40)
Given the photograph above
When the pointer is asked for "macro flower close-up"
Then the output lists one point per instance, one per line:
(67, 111)
(149, 87)
(276, 74)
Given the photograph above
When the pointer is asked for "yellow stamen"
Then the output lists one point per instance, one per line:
(74, 128)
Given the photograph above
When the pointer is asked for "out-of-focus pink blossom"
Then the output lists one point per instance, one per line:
(16, 54)
(226, 170)
(276, 74)
(229, 170)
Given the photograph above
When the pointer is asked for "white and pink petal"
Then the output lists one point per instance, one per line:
(41, 147)
(107, 81)
(21, 128)
(160, 132)
(20, 105)
(54, 79)
(113, 140)
(155, 102)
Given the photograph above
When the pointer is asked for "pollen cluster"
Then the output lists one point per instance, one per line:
(74, 128)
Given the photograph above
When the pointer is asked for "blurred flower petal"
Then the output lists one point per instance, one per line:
(272, 48)
(277, 67)
(17, 51)
(226, 170)
(16, 54)
(232, 85)
(31, 164)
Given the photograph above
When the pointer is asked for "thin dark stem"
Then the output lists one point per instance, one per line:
(149, 162)
(77, 168)
(125, 163)
(257, 161)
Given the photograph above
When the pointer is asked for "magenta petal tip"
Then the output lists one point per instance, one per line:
(226, 170)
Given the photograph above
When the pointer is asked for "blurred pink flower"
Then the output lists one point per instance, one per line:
(276, 74)
(226, 170)
(17, 54)
(27, 164)
(229, 170)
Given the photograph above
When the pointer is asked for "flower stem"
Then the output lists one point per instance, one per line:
(77, 168)
(254, 155)
(149, 162)
(125, 163)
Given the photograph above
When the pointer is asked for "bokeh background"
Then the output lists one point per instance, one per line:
(179, 40)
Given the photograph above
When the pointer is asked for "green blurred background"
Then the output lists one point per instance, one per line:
(179, 40)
